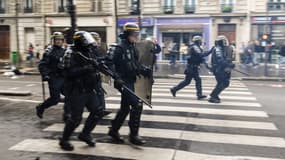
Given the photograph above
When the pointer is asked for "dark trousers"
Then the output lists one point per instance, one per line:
(55, 89)
(77, 101)
(191, 72)
(223, 81)
(129, 104)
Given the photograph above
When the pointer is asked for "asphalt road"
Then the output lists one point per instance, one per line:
(207, 130)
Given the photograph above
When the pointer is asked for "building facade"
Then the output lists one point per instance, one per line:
(25, 22)
(177, 21)
(171, 21)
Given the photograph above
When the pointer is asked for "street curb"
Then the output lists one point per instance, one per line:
(275, 79)
(15, 93)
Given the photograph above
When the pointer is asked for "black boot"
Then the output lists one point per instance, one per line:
(66, 145)
(214, 100)
(115, 135)
(137, 140)
(87, 139)
(173, 92)
(200, 97)
(40, 110)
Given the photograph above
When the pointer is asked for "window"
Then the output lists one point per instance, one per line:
(2, 6)
(61, 5)
(189, 6)
(227, 6)
(97, 5)
(168, 6)
(276, 5)
(134, 7)
(28, 6)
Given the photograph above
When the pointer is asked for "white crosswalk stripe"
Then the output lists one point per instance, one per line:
(244, 113)
(203, 121)
(192, 136)
(170, 100)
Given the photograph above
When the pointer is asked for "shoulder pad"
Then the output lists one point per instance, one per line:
(197, 49)
(48, 49)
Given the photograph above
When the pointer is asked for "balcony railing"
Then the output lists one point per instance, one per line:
(189, 8)
(2, 10)
(61, 9)
(28, 10)
(227, 8)
(168, 9)
(276, 6)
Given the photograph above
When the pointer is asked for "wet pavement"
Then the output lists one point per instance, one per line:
(170, 116)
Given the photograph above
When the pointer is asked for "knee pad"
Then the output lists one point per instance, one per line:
(137, 109)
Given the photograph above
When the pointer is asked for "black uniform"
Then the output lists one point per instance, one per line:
(196, 57)
(127, 67)
(51, 71)
(221, 67)
(83, 89)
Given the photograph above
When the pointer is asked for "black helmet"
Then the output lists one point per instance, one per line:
(197, 40)
(96, 36)
(130, 29)
(83, 39)
(221, 41)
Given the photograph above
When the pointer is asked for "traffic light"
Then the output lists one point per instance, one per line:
(135, 7)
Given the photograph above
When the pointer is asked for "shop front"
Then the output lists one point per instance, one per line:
(275, 27)
(179, 31)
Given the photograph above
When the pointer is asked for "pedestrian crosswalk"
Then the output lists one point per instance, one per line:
(183, 128)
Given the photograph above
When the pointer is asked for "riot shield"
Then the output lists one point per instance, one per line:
(143, 86)
(103, 52)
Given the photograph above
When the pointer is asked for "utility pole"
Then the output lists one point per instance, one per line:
(17, 31)
(267, 47)
(139, 16)
(116, 20)
(139, 13)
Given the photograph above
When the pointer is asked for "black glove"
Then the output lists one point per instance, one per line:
(118, 84)
(232, 65)
(46, 78)
(146, 72)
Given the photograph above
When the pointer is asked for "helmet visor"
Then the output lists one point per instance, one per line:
(88, 38)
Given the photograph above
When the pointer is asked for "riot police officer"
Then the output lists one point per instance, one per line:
(127, 67)
(100, 56)
(196, 57)
(221, 67)
(51, 71)
(82, 87)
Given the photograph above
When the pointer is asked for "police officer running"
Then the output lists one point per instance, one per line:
(51, 72)
(196, 57)
(126, 65)
(82, 85)
(221, 67)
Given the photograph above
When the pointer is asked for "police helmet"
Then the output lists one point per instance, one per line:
(57, 35)
(221, 40)
(96, 36)
(197, 40)
(83, 39)
(131, 29)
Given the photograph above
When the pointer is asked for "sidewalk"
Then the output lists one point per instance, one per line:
(256, 73)
(165, 70)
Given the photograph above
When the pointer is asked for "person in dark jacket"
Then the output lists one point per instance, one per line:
(127, 67)
(82, 86)
(221, 66)
(196, 57)
(51, 72)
